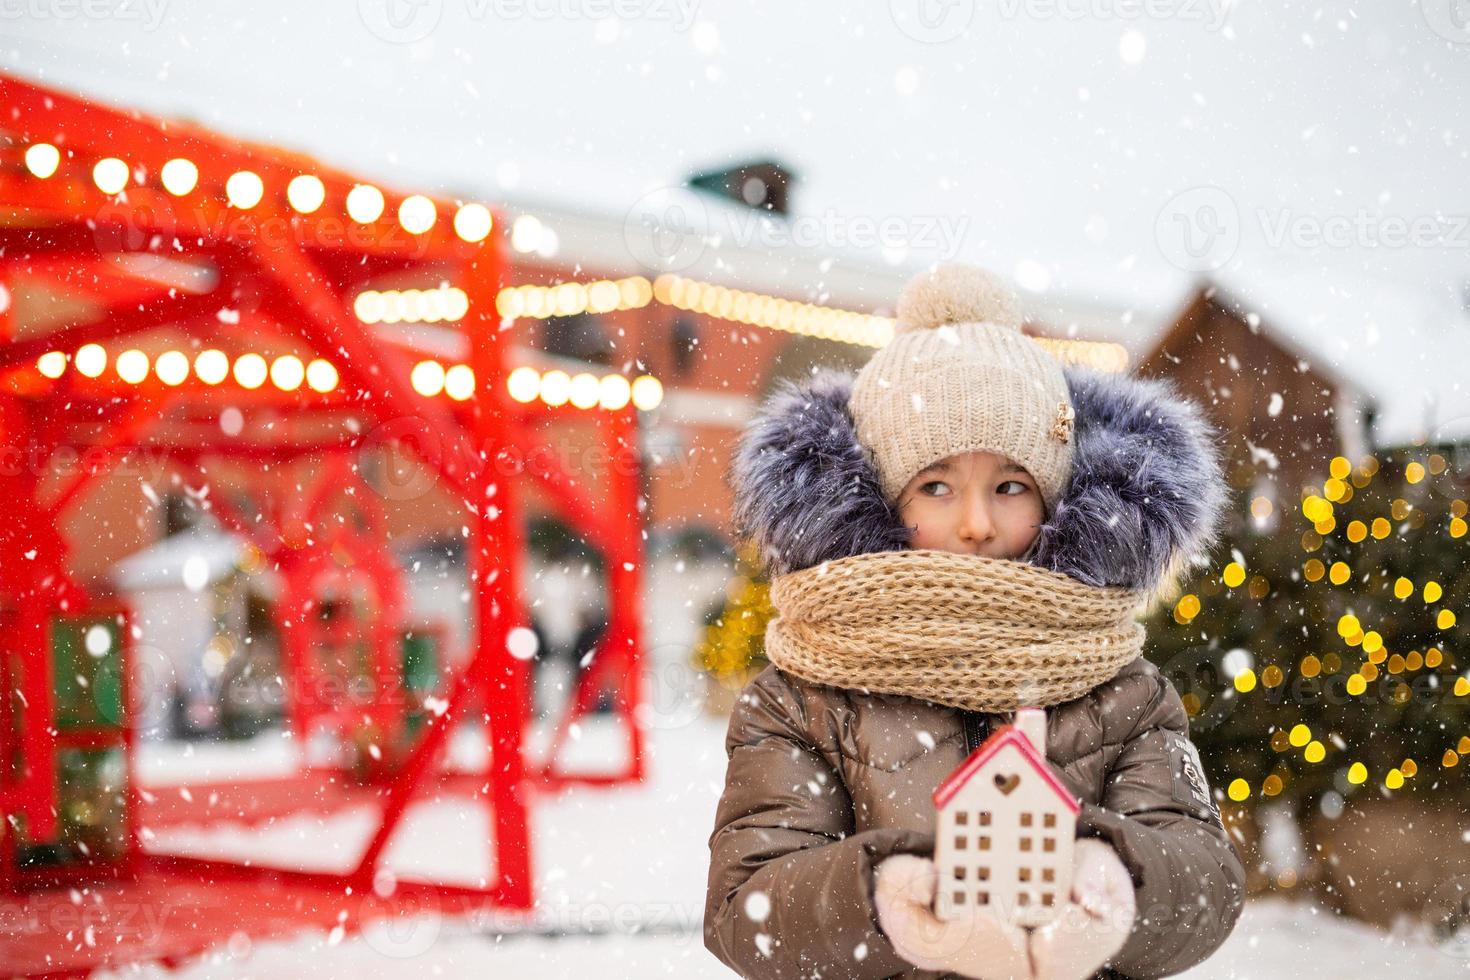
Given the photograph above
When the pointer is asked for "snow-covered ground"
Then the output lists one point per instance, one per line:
(1275, 940)
(620, 881)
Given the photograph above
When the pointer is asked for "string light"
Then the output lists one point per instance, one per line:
(445, 304)
(172, 367)
(179, 176)
(459, 382)
(250, 371)
(51, 364)
(427, 378)
(211, 366)
(132, 366)
(244, 189)
(472, 222)
(306, 193)
(321, 376)
(110, 175)
(90, 360)
(287, 372)
(416, 213)
(42, 159)
(364, 204)
(772, 312)
(572, 298)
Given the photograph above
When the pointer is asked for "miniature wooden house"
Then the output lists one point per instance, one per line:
(1005, 829)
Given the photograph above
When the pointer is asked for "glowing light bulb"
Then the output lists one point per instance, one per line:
(525, 233)
(584, 390)
(172, 367)
(524, 384)
(555, 387)
(211, 366)
(427, 378)
(287, 372)
(179, 176)
(459, 382)
(416, 214)
(244, 189)
(472, 222)
(110, 175)
(250, 371)
(364, 204)
(132, 366)
(42, 159)
(648, 392)
(615, 392)
(52, 364)
(306, 193)
(321, 376)
(90, 360)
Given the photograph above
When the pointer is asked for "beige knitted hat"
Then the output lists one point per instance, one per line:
(959, 376)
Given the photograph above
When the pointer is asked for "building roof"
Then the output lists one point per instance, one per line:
(1005, 735)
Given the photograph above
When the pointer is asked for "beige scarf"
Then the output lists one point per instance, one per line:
(985, 634)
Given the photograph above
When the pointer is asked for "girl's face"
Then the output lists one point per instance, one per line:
(974, 503)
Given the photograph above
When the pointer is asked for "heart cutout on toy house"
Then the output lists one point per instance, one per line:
(1007, 783)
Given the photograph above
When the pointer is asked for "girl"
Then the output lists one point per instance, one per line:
(963, 529)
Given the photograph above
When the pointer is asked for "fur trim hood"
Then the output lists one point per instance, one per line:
(1146, 489)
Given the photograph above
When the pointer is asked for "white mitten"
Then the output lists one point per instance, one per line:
(976, 945)
(1095, 924)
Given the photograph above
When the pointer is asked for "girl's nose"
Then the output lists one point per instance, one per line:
(975, 523)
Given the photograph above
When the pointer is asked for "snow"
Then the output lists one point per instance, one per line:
(620, 883)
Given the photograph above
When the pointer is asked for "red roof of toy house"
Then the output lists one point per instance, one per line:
(1008, 735)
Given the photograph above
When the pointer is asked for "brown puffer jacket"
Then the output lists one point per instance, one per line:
(824, 782)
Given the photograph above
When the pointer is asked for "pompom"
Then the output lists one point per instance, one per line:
(956, 293)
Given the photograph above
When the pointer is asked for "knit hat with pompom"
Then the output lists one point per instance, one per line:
(959, 376)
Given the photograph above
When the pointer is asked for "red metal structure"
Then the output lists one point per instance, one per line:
(164, 238)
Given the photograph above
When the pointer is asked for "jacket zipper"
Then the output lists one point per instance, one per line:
(978, 725)
(972, 722)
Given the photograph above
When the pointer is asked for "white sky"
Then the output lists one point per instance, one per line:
(1052, 134)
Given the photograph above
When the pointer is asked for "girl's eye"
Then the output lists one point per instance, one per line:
(933, 483)
(1016, 486)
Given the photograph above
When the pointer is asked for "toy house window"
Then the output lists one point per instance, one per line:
(982, 897)
(1048, 874)
(960, 840)
(1025, 820)
(1023, 874)
(1046, 898)
(959, 874)
(982, 874)
(1050, 820)
(984, 842)
(961, 818)
(959, 898)
(1048, 844)
(1024, 898)
(1025, 843)
(985, 818)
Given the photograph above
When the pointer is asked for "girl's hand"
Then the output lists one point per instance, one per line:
(977, 945)
(1095, 923)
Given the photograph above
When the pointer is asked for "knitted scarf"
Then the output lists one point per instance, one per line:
(984, 634)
